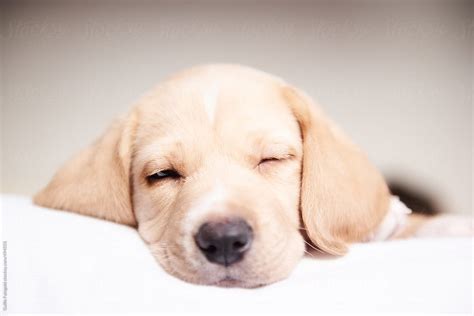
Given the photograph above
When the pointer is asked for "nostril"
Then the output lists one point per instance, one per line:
(238, 245)
(209, 249)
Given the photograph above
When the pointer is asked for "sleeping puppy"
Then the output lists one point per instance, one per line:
(225, 171)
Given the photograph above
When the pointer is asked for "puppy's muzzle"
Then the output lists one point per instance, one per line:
(224, 242)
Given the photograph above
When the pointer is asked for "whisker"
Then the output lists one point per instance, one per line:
(313, 247)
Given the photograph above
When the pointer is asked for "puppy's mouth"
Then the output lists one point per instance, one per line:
(229, 282)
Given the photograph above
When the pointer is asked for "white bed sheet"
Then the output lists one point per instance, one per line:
(63, 262)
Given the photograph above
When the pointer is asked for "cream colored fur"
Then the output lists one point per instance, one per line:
(214, 124)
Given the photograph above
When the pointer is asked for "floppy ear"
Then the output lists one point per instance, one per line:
(343, 197)
(96, 181)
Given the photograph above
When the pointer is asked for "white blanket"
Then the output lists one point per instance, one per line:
(63, 262)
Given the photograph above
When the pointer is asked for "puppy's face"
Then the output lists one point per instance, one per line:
(216, 179)
(219, 167)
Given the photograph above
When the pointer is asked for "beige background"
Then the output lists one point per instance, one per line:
(397, 76)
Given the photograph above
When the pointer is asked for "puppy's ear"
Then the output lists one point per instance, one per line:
(343, 197)
(96, 181)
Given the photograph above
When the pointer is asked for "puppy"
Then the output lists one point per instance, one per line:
(225, 170)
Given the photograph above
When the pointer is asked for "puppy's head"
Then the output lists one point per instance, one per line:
(221, 167)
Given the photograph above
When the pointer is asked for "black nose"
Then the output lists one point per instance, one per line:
(224, 242)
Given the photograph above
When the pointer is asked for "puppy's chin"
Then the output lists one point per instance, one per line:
(248, 273)
(229, 282)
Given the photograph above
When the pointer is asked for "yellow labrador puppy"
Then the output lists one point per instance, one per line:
(225, 170)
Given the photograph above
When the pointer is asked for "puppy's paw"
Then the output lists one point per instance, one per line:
(447, 226)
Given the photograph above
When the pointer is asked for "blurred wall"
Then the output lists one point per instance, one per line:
(396, 75)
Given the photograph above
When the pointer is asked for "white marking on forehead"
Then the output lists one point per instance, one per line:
(210, 100)
(204, 206)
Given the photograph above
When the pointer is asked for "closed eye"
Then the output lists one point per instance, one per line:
(274, 159)
(162, 175)
(269, 159)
